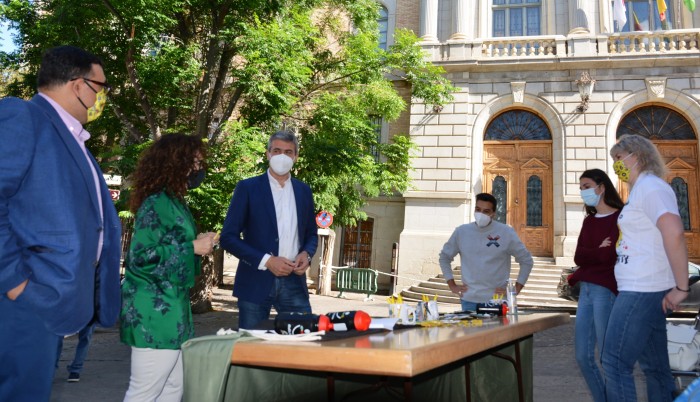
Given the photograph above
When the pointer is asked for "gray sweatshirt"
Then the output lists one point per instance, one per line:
(485, 254)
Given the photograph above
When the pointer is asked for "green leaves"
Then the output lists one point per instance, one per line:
(231, 72)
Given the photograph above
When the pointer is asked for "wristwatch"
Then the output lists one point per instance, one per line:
(309, 258)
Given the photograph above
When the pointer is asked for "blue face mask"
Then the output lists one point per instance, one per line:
(589, 197)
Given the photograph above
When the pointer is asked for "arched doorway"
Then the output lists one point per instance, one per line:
(677, 142)
(518, 172)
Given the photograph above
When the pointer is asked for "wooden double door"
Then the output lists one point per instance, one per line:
(519, 175)
(681, 158)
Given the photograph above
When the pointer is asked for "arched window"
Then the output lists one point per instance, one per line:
(376, 123)
(517, 125)
(383, 22)
(680, 187)
(500, 191)
(534, 201)
(656, 123)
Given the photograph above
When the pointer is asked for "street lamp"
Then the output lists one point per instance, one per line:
(585, 89)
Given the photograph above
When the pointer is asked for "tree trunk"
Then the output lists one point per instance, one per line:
(201, 293)
(325, 261)
(219, 266)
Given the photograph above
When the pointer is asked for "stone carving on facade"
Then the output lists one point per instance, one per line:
(518, 89)
(656, 87)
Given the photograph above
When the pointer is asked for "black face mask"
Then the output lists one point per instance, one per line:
(196, 178)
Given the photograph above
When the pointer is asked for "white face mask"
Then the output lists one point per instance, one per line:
(482, 220)
(281, 164)
(589, 197)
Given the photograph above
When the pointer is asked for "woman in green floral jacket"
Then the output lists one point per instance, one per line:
(161, 265)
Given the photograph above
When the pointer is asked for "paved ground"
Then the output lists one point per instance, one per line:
(106, 373)
(105, 376)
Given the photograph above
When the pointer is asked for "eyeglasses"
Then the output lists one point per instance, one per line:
(104, 85)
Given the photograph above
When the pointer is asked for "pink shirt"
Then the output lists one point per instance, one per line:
(81, 135)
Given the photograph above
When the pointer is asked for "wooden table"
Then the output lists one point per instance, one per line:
(405, 353)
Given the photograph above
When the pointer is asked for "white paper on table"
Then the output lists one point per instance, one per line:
(273, 336)
(383, 323)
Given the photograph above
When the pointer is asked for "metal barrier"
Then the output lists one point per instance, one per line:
(127, 232)
(356, 280)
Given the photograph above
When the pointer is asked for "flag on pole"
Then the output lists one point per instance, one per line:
(690, 4)
(637, 24)
(661, 6)
(620, 13)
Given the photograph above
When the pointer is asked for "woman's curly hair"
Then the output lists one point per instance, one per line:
(165, 166)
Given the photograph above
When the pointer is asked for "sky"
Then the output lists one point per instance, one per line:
(5, 39)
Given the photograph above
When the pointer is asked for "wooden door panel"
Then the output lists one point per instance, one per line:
(516, 162)
(509, 207)
(692, 236)
(681, 158)
(539, 239)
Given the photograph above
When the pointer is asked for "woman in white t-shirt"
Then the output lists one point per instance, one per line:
(651, 274)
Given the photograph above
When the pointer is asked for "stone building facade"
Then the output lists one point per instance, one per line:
(521, 127)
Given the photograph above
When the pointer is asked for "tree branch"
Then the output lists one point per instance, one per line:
(131, 71)
(134, 133)
(228, 112)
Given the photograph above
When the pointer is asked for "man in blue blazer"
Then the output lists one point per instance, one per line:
(59, 232)
(270, 227)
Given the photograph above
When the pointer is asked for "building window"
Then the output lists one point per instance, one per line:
(376, 123)
(656, 123)
(516, 125)
(680, 187)
(516, 17)
(534, 201)
(383, 22)
(499, 189)
(644, 15)
(356, 251)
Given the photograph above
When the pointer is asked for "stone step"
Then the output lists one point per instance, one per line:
(432, 285)
(526, 301)
(540, 291)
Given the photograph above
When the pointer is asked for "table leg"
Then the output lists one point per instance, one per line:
(517, 366)
(330, 387)
(408, 390)
(467, 377)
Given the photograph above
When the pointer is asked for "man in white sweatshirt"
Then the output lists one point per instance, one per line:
(485, 248)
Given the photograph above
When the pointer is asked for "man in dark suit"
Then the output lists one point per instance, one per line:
(59, 231)
(270, 227)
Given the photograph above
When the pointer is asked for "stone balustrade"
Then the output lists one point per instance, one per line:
(521, 46)
(643, 42)
(547, 47)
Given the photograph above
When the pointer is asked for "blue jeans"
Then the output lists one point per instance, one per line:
(594, 305)
(81, 350)
(27, 353)
(468, 306)
(637, 332)
(286, 296)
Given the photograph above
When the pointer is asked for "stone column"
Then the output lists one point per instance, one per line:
(581, 37)
(484, 21)
(581, 12)
(463, 20)
(605, 17)
(428, 20)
